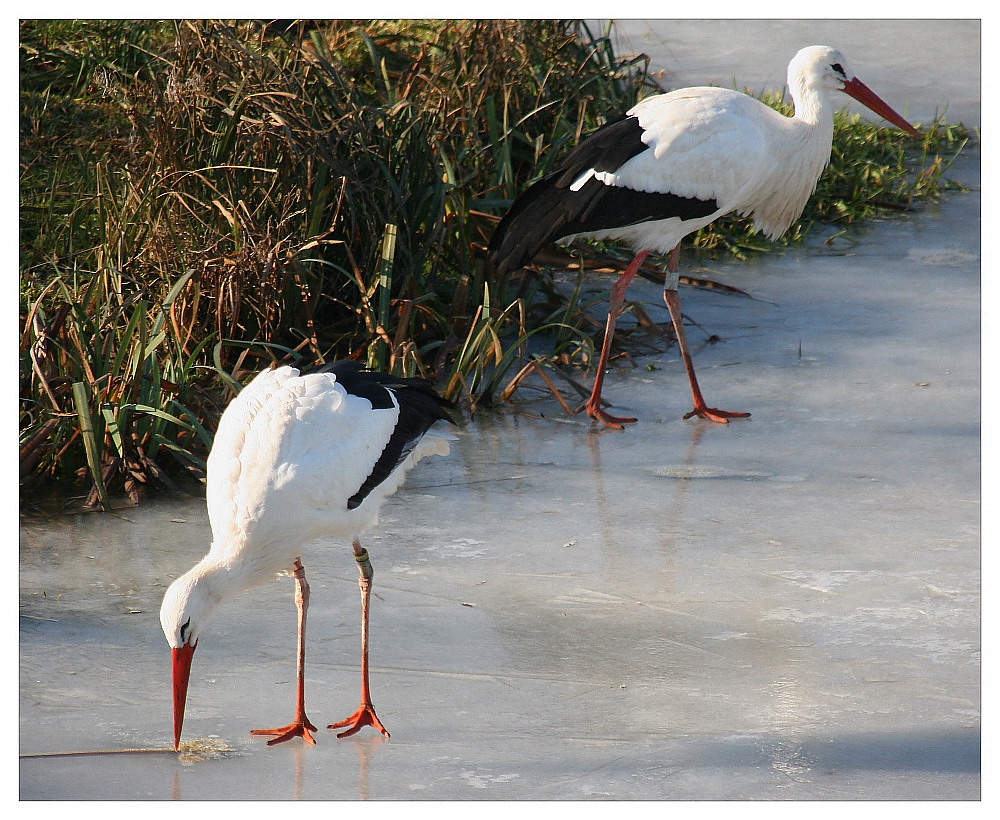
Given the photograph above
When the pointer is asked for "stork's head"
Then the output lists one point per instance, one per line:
(820, 67)
(186, 607)
(824, 67)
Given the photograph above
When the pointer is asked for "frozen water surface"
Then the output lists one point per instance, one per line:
(782, 608)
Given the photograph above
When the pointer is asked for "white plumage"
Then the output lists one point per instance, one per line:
(674, 163)
(303, 443)
(291, 456)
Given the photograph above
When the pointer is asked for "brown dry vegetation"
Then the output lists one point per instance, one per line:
(201, 198)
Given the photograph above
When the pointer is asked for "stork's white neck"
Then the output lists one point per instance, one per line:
(224, 579)
(812, 105)
(800, 152)
(193, 597)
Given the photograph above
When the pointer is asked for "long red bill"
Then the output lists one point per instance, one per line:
(864, 95)
(182, 674)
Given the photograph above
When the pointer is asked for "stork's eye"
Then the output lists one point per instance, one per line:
(184, 628)
(839, 69)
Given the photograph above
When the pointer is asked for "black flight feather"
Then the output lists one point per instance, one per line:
(548, 210)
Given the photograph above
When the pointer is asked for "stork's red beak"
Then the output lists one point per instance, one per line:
(182, 673)
(864, 95)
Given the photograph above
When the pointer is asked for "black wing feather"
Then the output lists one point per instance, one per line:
(419, 407)
(548, 210)
(607, 149)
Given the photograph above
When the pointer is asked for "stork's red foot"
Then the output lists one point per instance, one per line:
(596, 412)
(710, 413)
(365, 716)
(301, 727)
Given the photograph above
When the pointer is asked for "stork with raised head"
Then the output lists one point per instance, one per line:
(299, 455)
(676, 162)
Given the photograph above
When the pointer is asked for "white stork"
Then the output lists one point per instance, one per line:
(674, 163)
(298, 456)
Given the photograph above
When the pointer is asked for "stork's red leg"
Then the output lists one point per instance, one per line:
(701, 410)
(300, 726)
(365, 716)
(618, 290)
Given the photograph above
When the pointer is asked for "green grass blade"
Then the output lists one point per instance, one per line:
(91, 445)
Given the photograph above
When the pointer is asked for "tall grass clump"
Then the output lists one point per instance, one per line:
(200, 198)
